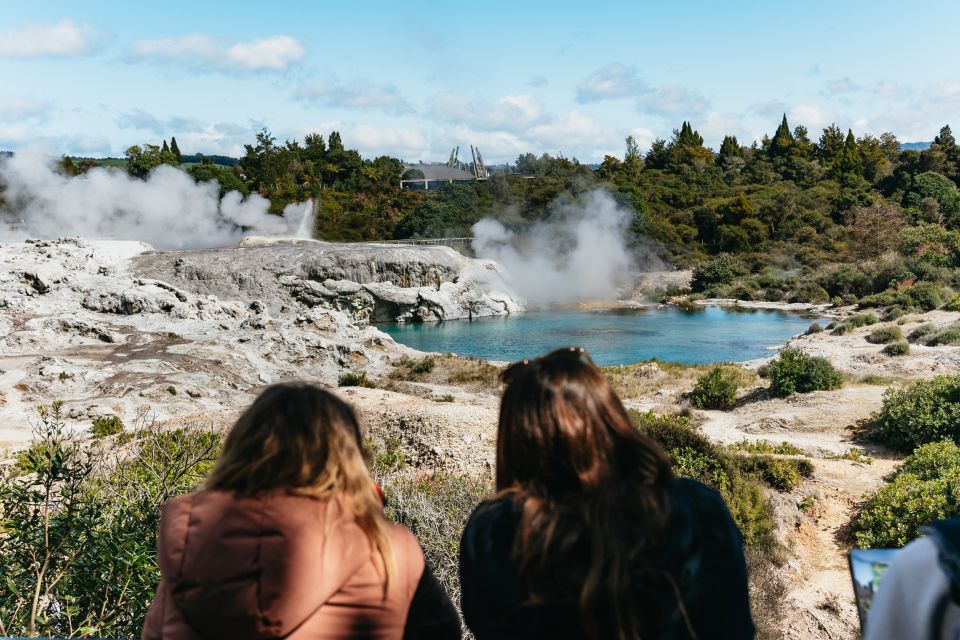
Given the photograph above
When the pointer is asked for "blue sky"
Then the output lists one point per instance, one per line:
(414, 79)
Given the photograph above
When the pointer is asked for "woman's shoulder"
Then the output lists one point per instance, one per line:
(491, 527)
(694, 492)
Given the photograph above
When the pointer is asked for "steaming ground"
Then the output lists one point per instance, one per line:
(168, 209)
(579, 253)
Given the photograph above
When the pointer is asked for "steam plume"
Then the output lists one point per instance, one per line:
(579, 253)
(168, 210)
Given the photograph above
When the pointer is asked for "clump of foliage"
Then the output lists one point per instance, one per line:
(783, 474)
(948, 335)
(925, 488)
(720, 270)
(763, 446)
(104, 426)
(922, 332)
(897, 348)
(815, 327)
(925, 411)
(354, 379)
(716, 389)
(885, 334)
(953, 305)
(423, 366)
(694, 456)
(794, 371)
(854, 322)
(80, 523)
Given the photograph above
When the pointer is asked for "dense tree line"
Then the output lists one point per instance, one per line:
(788, 209)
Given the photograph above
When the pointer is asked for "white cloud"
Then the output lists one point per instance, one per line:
(813, 116)
(193, 135)
(357, 95)
(408, 143)
(842, 86)
(513, 113)
(65, 38)
(673, 100)
(19, 108)
(201, 52)
(614, 80)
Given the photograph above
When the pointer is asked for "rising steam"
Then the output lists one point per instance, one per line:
(579, 253)
(168, 210)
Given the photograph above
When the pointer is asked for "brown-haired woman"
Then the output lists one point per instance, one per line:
(590, 534)
(289, 539)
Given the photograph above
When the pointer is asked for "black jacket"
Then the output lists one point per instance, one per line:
(702, 553)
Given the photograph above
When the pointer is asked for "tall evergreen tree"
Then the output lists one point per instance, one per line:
(687, 137)
(729, 148)
(782, 143)
(175, 150)
(334, 143)
(164, 148)
(830, 144)
(848, 162)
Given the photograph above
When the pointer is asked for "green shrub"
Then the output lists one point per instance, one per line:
(93, 548)
(925, 488)
(925, 295)
(783, 474)
(947, 335)
(796, 372)
(762, 446)
(894, 313)
(106, 426)
(922, 332)
(351, 379)
(897, 349)
(885, 335)
(953, 305)
(720, 270)
(811, 293)
(694, 456)
(836, 301)
(814, 327)
(423, 366)
(926, 411)
(716, 389)
(855, 322)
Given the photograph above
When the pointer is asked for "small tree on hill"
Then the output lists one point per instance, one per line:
(175, 150)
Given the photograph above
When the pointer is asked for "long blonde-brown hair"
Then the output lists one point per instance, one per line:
(301, 438)
(591, 491)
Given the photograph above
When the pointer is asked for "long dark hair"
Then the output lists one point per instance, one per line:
(591, 490)
(305, 440)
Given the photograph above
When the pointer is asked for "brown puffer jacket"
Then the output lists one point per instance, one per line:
(285, 566)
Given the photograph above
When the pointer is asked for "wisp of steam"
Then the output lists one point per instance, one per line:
(169, 209)
(579, 253)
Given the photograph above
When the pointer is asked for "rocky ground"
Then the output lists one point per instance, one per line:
(115, 328)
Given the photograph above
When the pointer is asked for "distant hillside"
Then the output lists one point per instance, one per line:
(914, 146)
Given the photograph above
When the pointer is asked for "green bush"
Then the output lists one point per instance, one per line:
(106, 426)
(796, 372)
(783, 474)
(947, 335)
(694, 456)
(811, 293)
(953, 305)
(885, 335)
(922, 332)
(855, 322)
(720, 270)
(716, 389)
(92, 548)
(423, 366)
(897, 349)
(926, 411)
(351, 379)
(925, 488)
(925, 295)
(814, 327)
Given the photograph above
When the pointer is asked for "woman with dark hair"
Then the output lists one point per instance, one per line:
(289, 539)
(590, 534)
